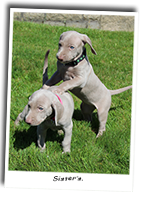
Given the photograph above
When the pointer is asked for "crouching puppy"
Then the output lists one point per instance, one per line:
(47, 110)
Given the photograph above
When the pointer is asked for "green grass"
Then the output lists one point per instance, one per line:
(113, 65)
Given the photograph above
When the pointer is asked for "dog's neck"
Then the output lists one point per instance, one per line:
(78, 60)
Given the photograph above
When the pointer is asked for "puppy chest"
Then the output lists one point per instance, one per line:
(68, 74)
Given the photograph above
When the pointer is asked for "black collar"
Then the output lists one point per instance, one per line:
(75, 62)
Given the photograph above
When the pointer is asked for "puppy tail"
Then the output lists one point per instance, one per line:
(45, 75)
(113, 92)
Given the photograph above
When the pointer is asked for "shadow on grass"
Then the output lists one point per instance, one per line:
(25, 138)
(95, 123)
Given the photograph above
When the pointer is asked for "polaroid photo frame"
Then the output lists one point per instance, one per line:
(71, 181)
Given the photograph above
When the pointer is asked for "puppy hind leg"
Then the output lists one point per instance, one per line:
(102, 117)
(102, 112)
(87, 111)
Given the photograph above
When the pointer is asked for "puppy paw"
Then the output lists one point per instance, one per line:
(16, 123)
(100, 133)
(66, 152)
(45, 87)
(60, 132)
(42, 149)
(58, 91)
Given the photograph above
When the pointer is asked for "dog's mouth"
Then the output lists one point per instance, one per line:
(61, 61)
(65, 60)
(71, 62)
(36, 122)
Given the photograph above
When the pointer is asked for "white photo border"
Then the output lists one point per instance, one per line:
(52, 180)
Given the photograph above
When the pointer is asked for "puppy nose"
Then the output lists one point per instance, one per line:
(60, 57)
(28, 121)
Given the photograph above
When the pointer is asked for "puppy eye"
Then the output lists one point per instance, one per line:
(29, 106)
(60, 45)
(40, 108)
(71, 47)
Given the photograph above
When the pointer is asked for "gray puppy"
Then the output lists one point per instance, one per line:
(74, 68)
(48, 110)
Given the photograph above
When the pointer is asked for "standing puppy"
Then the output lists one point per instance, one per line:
(74, 69)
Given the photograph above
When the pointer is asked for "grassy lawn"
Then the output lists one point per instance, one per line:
(113, 65)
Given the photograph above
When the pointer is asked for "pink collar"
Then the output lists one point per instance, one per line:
(59, 99)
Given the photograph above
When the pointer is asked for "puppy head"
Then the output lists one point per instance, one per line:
(39, 108)
(71, 44)
(41, 105)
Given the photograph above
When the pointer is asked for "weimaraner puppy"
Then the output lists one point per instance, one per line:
(46, 109)
(74, 68)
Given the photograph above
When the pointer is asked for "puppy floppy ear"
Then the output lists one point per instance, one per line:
(59, 109)
(87, 40)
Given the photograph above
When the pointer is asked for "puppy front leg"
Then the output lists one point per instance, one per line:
(56, 78)
(41, 136)
(69, 85)
(67, 138)
(21, 116)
